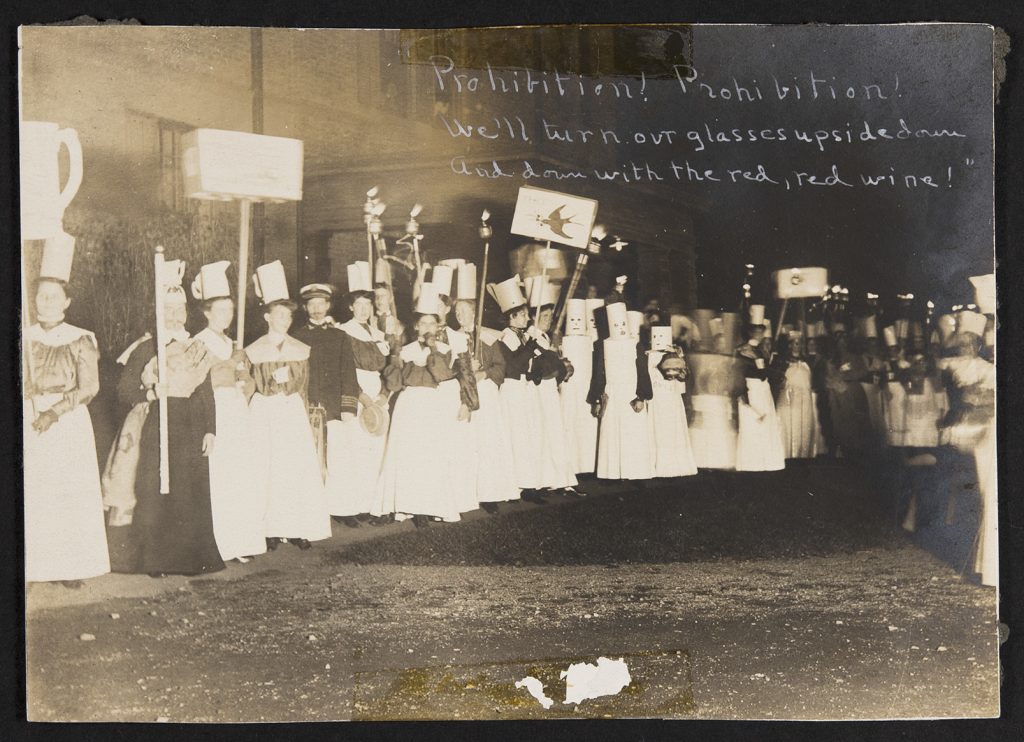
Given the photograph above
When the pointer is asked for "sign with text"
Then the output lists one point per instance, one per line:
(221, 165)
(552, 216)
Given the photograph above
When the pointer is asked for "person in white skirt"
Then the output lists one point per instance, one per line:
(794, 401)
(580, 425)
(355, 453)
(759, 443)
(521, 406)
(894, 395)
(489, 452)
(236, 501)
(285, 456)
(65, 537)
(673, 455)
(620, 388)
(547, 370)
(420, 462)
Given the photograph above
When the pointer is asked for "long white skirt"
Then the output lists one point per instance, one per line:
(986, 559)
(287, 465)
(625, 447)
(418, 474)
(354, 459)
(522, 416)
(713, 433)
(580, 424)
(894, 411)
(923, 413)
(237, 502)
(65, 536)
(556, 468)
(670, 435)
(492, 448)
(759, 444)
(798, 418)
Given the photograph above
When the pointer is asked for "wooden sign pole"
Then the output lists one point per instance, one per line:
(543, 281)
(243, 270)
(161, 365)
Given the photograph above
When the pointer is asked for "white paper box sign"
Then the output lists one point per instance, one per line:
(507, 294)
(270, 282)
(756, 314)
(552, 216)
(576, 317)
(43, 200)
(211, 282)
(428, 302)
(947, 326)
(800, 283)
(224, 165)
(661, 337)
(618, 321)
(58, 254)
(541, 292)
(985, 292)
(889, 333)
(359, 276)
(973, 322)
(441, 279)
(635, 320)
(867, 327)
(465, 280)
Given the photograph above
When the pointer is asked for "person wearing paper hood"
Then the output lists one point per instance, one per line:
(759, 443)
(421, 463)
(666, 367)
(173, 533)
(346, 361)
(236, 508)
(486, 453)
(286, 454)
(65, 538)
(578, 348)
(794, 401)
(620, 389)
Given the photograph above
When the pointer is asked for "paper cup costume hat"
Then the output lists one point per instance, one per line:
(946, 325)
(507, 294)
(635, 320)
(358, 275)
(618, 321)
(576, 317)
(271, 284)
(58, 254)
(756, 315)
(429, 301)
(465, 281)
(973, 322)
(985, 292)
(542, 292)
(441, 279)
(211, 282)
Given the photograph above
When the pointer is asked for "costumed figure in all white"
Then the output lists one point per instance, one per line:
(620, 389)
(580, 425)
(759, 443)
(673, 454)
(287, 464)
(65, 537)
(795, 403)
(236, 500)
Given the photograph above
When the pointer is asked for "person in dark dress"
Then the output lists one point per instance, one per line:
(173, 533)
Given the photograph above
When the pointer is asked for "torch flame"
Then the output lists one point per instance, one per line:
(598, 232)
(485, 216)
(372, 193)
(416, 209)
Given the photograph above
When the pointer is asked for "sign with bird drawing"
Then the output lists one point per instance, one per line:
(549, 215)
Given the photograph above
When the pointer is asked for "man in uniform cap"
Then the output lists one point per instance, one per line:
(333, 385)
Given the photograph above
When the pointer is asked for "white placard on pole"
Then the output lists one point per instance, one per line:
(551, 216)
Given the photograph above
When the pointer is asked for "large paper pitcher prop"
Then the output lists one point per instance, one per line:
(43, 201)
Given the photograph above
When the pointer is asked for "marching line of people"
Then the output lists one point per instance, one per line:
(347, 421)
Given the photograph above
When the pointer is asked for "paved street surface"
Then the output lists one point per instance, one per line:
(781, 596)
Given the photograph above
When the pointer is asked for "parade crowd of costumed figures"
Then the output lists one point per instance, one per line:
(387, 417)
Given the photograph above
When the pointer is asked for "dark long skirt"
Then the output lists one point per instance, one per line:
(173, 533)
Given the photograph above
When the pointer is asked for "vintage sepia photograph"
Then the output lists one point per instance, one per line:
(506, 373)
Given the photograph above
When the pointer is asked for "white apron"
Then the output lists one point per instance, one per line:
(556, 468)
(237, 501)
(491, 447)
(759, 443)
(713, 433)
(798, 415)
(288, 467)
(624, 448)
(65, 536)
(673, 454)
(580, 424)
(522, 416)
